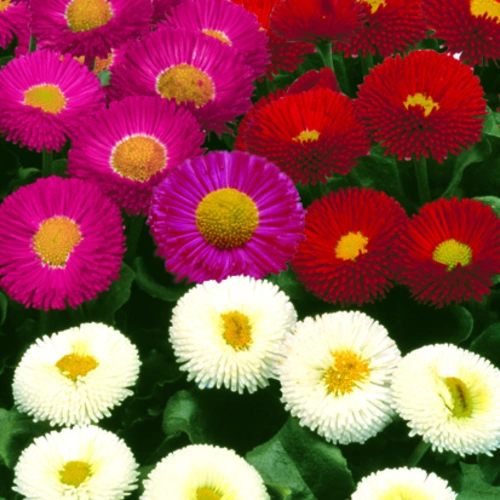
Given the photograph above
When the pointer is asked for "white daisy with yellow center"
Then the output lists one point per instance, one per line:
(76, 376)
(79, 463)
(230, 333)
(402, 484)
(204, 472)
(336, 376)
(450, 397)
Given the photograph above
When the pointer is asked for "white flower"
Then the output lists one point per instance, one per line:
(230, 333)
(204, 472)
(336, 376)
(81, 463)
(450, 397)
(403, 483)
(76, 376)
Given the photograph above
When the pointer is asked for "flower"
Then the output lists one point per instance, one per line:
(227, 22)
(80, 462)
(161, 9)
(76, 376)
(449, 251)
(348, 247)
(226, 214)
(450, 397)
(403, 483)
(204, 472)
(200, 73)
(309, 135)
(45, 99)
(336, 374)
(425, 104)
(129, 148)
(230, 333)
(61, 242)
(14, 21)
(473, 29)
(317, 20)
(390, 25)
(89, 28)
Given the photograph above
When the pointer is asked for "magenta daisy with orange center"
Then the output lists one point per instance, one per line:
(129, 148)
(346, 254)
(45, 99)
(309, 135)
(61, 243)
(14, 22)
(425, 104)
(468, 27)
(449, 252)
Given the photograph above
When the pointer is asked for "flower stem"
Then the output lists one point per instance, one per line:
(133, 236)
(32, 46)
(424, 191)
(325, 51)
(366, 63)
(418, 453)
(46, 163)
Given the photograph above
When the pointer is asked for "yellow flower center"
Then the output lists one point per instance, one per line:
(348, 370)
(479, 8)
(101, 64)
(138, 157)
(75, 365)
(55, 240)
(86, 15)
(74, 473)
(423, 101)
(46, 97)
(350, 246)
(4, 5)
(207, 494)
(227, 218)
(404, 492)
(374, 4)
(461, 400)
(217, 34)
(237, 331)
(451, 253)
(185, 83)
(307, 135)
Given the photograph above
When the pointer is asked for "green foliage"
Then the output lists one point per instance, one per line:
(474, 487)
(488, 344)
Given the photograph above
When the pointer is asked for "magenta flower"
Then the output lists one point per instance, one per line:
(14, 22)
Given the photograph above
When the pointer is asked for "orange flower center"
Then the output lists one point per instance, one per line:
(227, 218)
(237, 331)
(102, 64)
(451, 253)
(138, 157)
(46, 97)
(55, 240)
(351, 245)
(4, 5)
(423, 101)
(217, 34)
(76, 365)
(374, 4)
(74, 473)
(207, 494)
(185, 83)
(491, 8)
(348, 370)
(307, 135)
(86, 15)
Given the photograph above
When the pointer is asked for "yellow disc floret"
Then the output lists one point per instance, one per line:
(451, 253)
(46, 97)
(237, 330)
(4, 5)
(351, 245)
(86, 15)
(307, 135)
(207, 494)
(76, 365)
(490, 8)
(227, 218)
(348, 370)
(405, 492)
(74, 473)
(374, 4)
(217, 34)
(423, 101)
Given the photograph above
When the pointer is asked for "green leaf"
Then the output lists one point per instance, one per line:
(488, 344)
(491, 126)
(492, 201)
(4, 60)
(59, 167)
(474, 488)
(299, 461)
(104, 77)
(490, 468)
(3, 307)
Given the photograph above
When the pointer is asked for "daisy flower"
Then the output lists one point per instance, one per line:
(449, 251)
(403, 483)
(129, 148)
(84, 463)
(336, 375)
(204, 472)
(45, 99)
(89, 28)
(227, 22)
(226, 214)
(348, 247)
(425, 104)
(229, 334)
(61, 243)
(14, 21)
(76, 376)
(450, 397)
(309, 135)
(469, 27)
(161, 9)
(195, 70)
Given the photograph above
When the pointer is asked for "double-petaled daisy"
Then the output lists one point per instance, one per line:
(14, 22)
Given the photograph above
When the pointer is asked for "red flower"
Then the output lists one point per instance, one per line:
(449, 251)
(309, 135)
(346, 254)
(390, 25)
(469, 27)
(425, 104)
